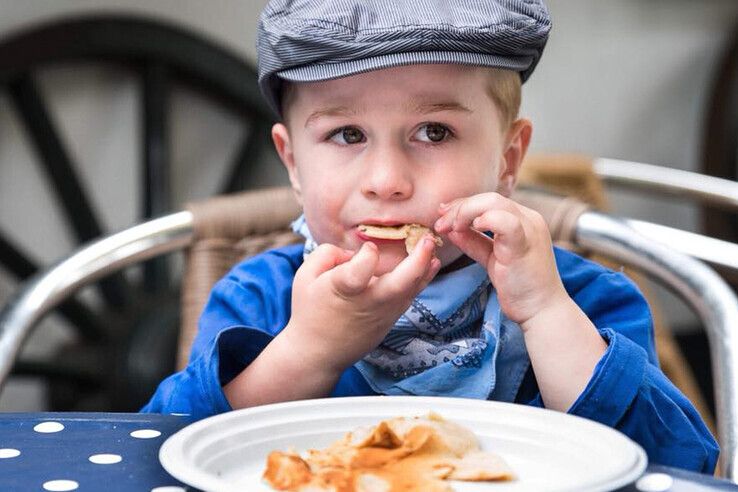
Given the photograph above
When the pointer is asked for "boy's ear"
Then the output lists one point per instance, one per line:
(516, 141)
(283, 144)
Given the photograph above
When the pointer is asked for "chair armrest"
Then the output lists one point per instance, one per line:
(708, 294)
(42, 292)
(723, 255)
(708, 189)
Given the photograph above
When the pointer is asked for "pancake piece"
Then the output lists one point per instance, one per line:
(287, 471)
(411, 233)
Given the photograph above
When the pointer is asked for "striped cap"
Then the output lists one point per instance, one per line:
(312, 40)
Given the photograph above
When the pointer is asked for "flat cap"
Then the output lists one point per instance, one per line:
(312, 40)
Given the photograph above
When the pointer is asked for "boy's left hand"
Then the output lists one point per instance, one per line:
(519, 260)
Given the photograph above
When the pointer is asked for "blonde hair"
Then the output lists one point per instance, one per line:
(286, 97)
(504, 89)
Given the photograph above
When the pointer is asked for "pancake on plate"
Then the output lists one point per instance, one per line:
(401, 454)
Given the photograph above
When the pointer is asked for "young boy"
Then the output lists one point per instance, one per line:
(398, 113)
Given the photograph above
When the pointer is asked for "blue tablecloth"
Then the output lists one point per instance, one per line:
(119, 452)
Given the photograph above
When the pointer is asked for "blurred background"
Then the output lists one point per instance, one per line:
(626, 79)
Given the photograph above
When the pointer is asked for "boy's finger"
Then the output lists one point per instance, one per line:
(461, 215)
(410, 271)
(434, 267)
(324, 258)
(508, 228)
(351, 278)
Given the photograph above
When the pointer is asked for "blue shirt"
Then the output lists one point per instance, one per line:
(627, 390)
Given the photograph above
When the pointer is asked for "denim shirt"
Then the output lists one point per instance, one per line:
(627, 390)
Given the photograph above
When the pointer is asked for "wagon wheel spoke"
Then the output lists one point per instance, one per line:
(75, 371)
(252, 147)
(59, 169)
(156, 179)
(720, 155)
(75, 312)
(14, 261)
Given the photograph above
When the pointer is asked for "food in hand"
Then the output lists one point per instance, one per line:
(411, 233)
(402, 454)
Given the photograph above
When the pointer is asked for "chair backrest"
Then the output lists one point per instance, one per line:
(226, 230)
(570, 175)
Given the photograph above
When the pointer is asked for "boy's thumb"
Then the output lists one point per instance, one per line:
(353, 277)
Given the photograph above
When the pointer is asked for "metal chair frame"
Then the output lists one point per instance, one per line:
(709, 190)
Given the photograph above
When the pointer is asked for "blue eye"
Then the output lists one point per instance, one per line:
(433, 133)
(347, 135)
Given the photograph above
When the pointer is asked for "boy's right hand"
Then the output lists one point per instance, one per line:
(341, 310)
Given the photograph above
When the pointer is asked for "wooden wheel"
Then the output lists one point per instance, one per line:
(720, 155)
(127, 341)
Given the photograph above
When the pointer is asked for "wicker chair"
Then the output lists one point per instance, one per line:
(220, 231)
(226, 230)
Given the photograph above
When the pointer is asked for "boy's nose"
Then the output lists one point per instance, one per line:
(387, 180)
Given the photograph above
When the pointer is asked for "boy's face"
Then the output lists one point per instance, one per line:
(388, 146)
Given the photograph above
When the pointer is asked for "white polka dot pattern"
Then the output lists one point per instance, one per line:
(654, 482)
(145, 433)
(9, 453)
(48, 427)
(55, 452)
(61, 485)
(105, 459)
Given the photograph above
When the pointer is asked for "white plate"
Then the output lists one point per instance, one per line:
(547, 450)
